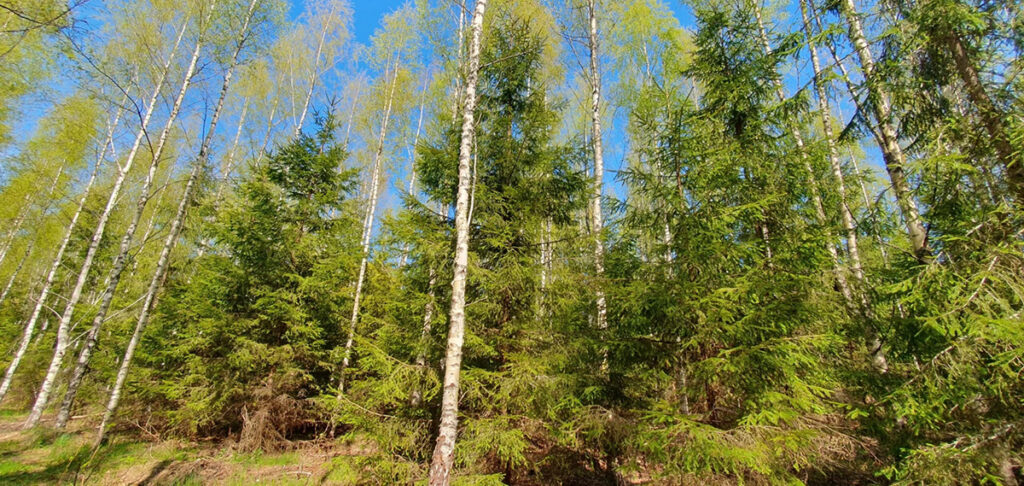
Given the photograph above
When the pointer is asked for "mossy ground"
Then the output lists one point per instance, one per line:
(42, 456)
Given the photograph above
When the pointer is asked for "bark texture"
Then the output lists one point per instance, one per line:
(892, 153)
(875, 348)
(596, 217)
(163, 261)
(58, 260)
(444, 450)
(991, 116)
(63, 327)
(117, 269)
(368, 227)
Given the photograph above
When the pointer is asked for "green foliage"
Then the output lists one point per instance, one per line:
(731, 355)
(250, 329)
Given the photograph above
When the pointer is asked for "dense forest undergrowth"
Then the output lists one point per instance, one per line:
(512, 242)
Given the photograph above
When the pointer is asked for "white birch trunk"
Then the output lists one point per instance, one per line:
(225, 174)
(152, 219)
(58, 259)
(878, 358)
(368, 228)
(15, 227)
(412, 164)
(812, 181)
(891, 150)
(177, 223)
(63, 327)
(229, 162)
(114, 278)
(597, 223)
(270, 131)
(313, 75)
(351, 116)
(29, 246)
(14, 274)
(833, 152)
(444, 450)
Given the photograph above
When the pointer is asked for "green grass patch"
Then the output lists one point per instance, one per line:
(263, 459)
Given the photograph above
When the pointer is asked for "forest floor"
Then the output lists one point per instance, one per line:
(43, 457)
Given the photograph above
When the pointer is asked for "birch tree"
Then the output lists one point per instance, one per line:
(163, 261)
(596, 215)
(63, 329)
(114, 277)
(394, 40)
(330, 19)
(444, 450)
(895, 160)
(58, 259)
(878, 358)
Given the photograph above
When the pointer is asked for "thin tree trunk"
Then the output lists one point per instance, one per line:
(850, 88)
(58, 259)
(229, 162)
(878, 136)
(444, 449)
(459, 58)
(892, 153)
(270, 131)
(152, 219)
(63, 327)
(992, 117)
(597, 223)
(29, 245)
(412, 163)
(13, 275)
(878, 358)
(867, 203)
(163, 261)
(812, 181)
(225, 174)
(114, 279)
(15, 227)
(545, 265)
(421, 353)
(147, 304)
(313, 75)
(824, 111)
(368, 228)
(351, 116)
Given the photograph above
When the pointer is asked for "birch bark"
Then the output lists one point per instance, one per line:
(597, 223)
(29, 246)
(368, 226)
(15, 227)
(63, 327)
(444, 450)
(412, 162)
(163, 261)
(315, 73)
(17, 270)
(991, 116)
(58, 259)
(892, 153)
(114, 278)
(878, 358)
(819, 208)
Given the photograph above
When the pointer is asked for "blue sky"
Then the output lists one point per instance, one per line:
(366, 19)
